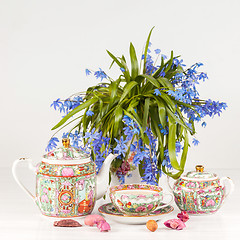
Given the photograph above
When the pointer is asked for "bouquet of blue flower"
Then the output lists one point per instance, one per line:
(146, 115)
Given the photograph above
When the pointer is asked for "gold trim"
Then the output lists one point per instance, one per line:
(66, 142)
(199, 168)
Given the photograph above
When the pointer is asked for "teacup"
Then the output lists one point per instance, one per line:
(137, 199)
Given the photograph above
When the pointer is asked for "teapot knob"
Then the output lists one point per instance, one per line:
(66, 142)
(199, 168)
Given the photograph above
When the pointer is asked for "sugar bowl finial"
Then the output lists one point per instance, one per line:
(66, 142)
(199, 168)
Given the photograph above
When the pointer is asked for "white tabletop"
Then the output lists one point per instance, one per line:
(21, 219)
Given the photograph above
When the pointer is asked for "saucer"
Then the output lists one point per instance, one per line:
(112, 213)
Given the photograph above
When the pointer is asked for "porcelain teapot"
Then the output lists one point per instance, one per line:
(66, 181)
(199, 192)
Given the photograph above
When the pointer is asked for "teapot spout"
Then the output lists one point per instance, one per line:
(103, 176)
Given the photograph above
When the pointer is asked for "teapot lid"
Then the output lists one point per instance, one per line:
(199, 174)
(66, 154)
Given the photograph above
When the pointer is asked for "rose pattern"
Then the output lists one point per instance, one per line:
(67, 172)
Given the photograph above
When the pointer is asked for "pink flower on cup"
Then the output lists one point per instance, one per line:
(190, 184)
(44, 198)
(210, 203)
(45, 190)
(140, 209)
(183, 216)
(66, 211)
(150, 206)
(65, 197)
(67, 172)
(142, 196)
(124, 197)
(175, 224)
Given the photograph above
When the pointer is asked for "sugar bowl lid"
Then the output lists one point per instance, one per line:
(66, 155)
(199, 175)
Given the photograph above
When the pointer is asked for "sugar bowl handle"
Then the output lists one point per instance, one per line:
(230, 187)
(14, 172)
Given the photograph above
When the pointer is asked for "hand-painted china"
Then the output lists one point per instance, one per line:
(200, 192)
(111, 212)
(137, 199)
(66, 182)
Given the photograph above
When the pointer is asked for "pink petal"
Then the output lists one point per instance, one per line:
(175, 224)
(103, 226)
(92, 219)
(183, 216)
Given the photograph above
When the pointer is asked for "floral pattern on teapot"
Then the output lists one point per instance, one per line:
(199, 192)
(198, 196)
(66, 196)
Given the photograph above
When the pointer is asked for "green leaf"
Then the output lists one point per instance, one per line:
(172, 144)
(185, 150)
(113, 90)
(127, 89)
(161, 112)
(172, 175)
(152, 80)
(169, 102)
(146, 49)
(121, 65)
(166, 83)
(169, 63)
(134, 61)
(118, 119)
(141, 169)
(76, 110)
(145, 113)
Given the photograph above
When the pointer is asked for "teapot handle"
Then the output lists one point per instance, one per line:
(231, 185)
(14, 172)
(169, 185)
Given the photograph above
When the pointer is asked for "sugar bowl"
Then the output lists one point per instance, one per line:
(200, 192)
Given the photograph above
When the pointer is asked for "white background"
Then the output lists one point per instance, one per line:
(46, 45)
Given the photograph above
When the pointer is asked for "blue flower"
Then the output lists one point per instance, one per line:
(121, 147)
(123, 69)
(157, 51)
(163, 130)
(204, 124)
(52, 144)
(195, 142)
(157, 92)
(202, 76)
(178, 147)
(177, 63)
(65, 135)
(100, 74)
(87, 71)
(89, 113)
(164, 56)
(140, 156)
(56, 104)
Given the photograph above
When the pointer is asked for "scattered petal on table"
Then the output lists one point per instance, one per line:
(175, 224)
(183, 216)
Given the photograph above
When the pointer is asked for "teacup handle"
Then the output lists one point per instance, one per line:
(169, 202)
(231, 185)
(14, 172)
